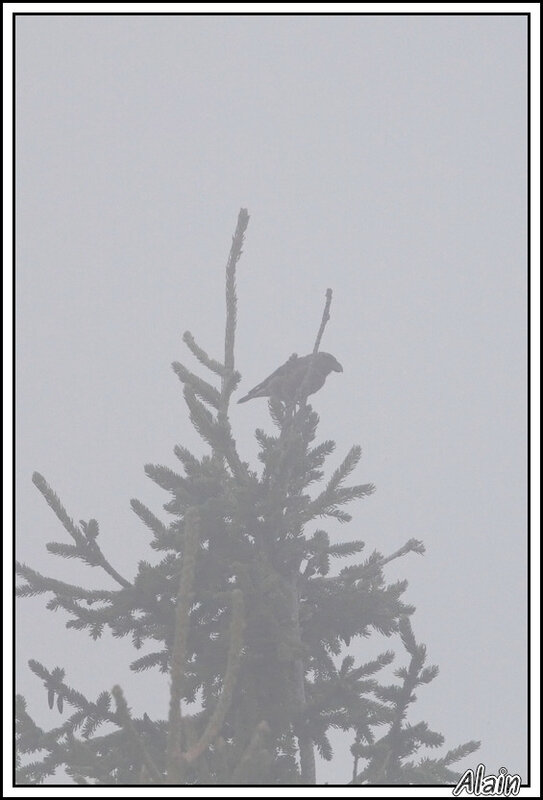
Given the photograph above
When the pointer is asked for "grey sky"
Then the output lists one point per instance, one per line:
(382, 156)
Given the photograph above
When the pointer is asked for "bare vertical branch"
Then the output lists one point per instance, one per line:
(230, 377)
(179, 652)
(232, 668)
(325, 318)
(301, 395)
(253, 748)
(231, 299)
(305, 744)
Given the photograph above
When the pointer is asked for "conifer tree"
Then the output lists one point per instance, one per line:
(247, 618)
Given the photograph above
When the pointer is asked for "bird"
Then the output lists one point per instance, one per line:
(297, 378)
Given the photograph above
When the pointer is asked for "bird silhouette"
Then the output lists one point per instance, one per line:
(296, 378)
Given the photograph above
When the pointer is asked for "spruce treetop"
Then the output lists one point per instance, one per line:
(242, 608)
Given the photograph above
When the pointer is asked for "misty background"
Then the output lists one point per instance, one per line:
(383, 156)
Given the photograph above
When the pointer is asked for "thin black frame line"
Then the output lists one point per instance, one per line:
(528, 389)
(13, 391)
(270, 14)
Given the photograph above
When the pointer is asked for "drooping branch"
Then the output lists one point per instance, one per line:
(39, 584)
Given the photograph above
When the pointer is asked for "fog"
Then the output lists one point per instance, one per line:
(381, 156)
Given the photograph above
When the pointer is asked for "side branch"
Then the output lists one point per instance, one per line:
(86, 546)
(412, 546)
(201, 354)
(53, 500)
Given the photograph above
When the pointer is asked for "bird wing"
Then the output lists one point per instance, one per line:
(307, 379)
(263, 388)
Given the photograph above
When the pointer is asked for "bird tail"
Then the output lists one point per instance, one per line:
(257, 391)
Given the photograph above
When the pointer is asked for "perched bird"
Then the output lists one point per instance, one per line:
(296, 378)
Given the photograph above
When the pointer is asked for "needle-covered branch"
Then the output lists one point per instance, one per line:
(86, 547)
(211, 363)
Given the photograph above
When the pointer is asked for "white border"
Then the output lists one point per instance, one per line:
(262, 8)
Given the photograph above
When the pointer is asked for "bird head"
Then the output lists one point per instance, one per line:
(327, 363)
